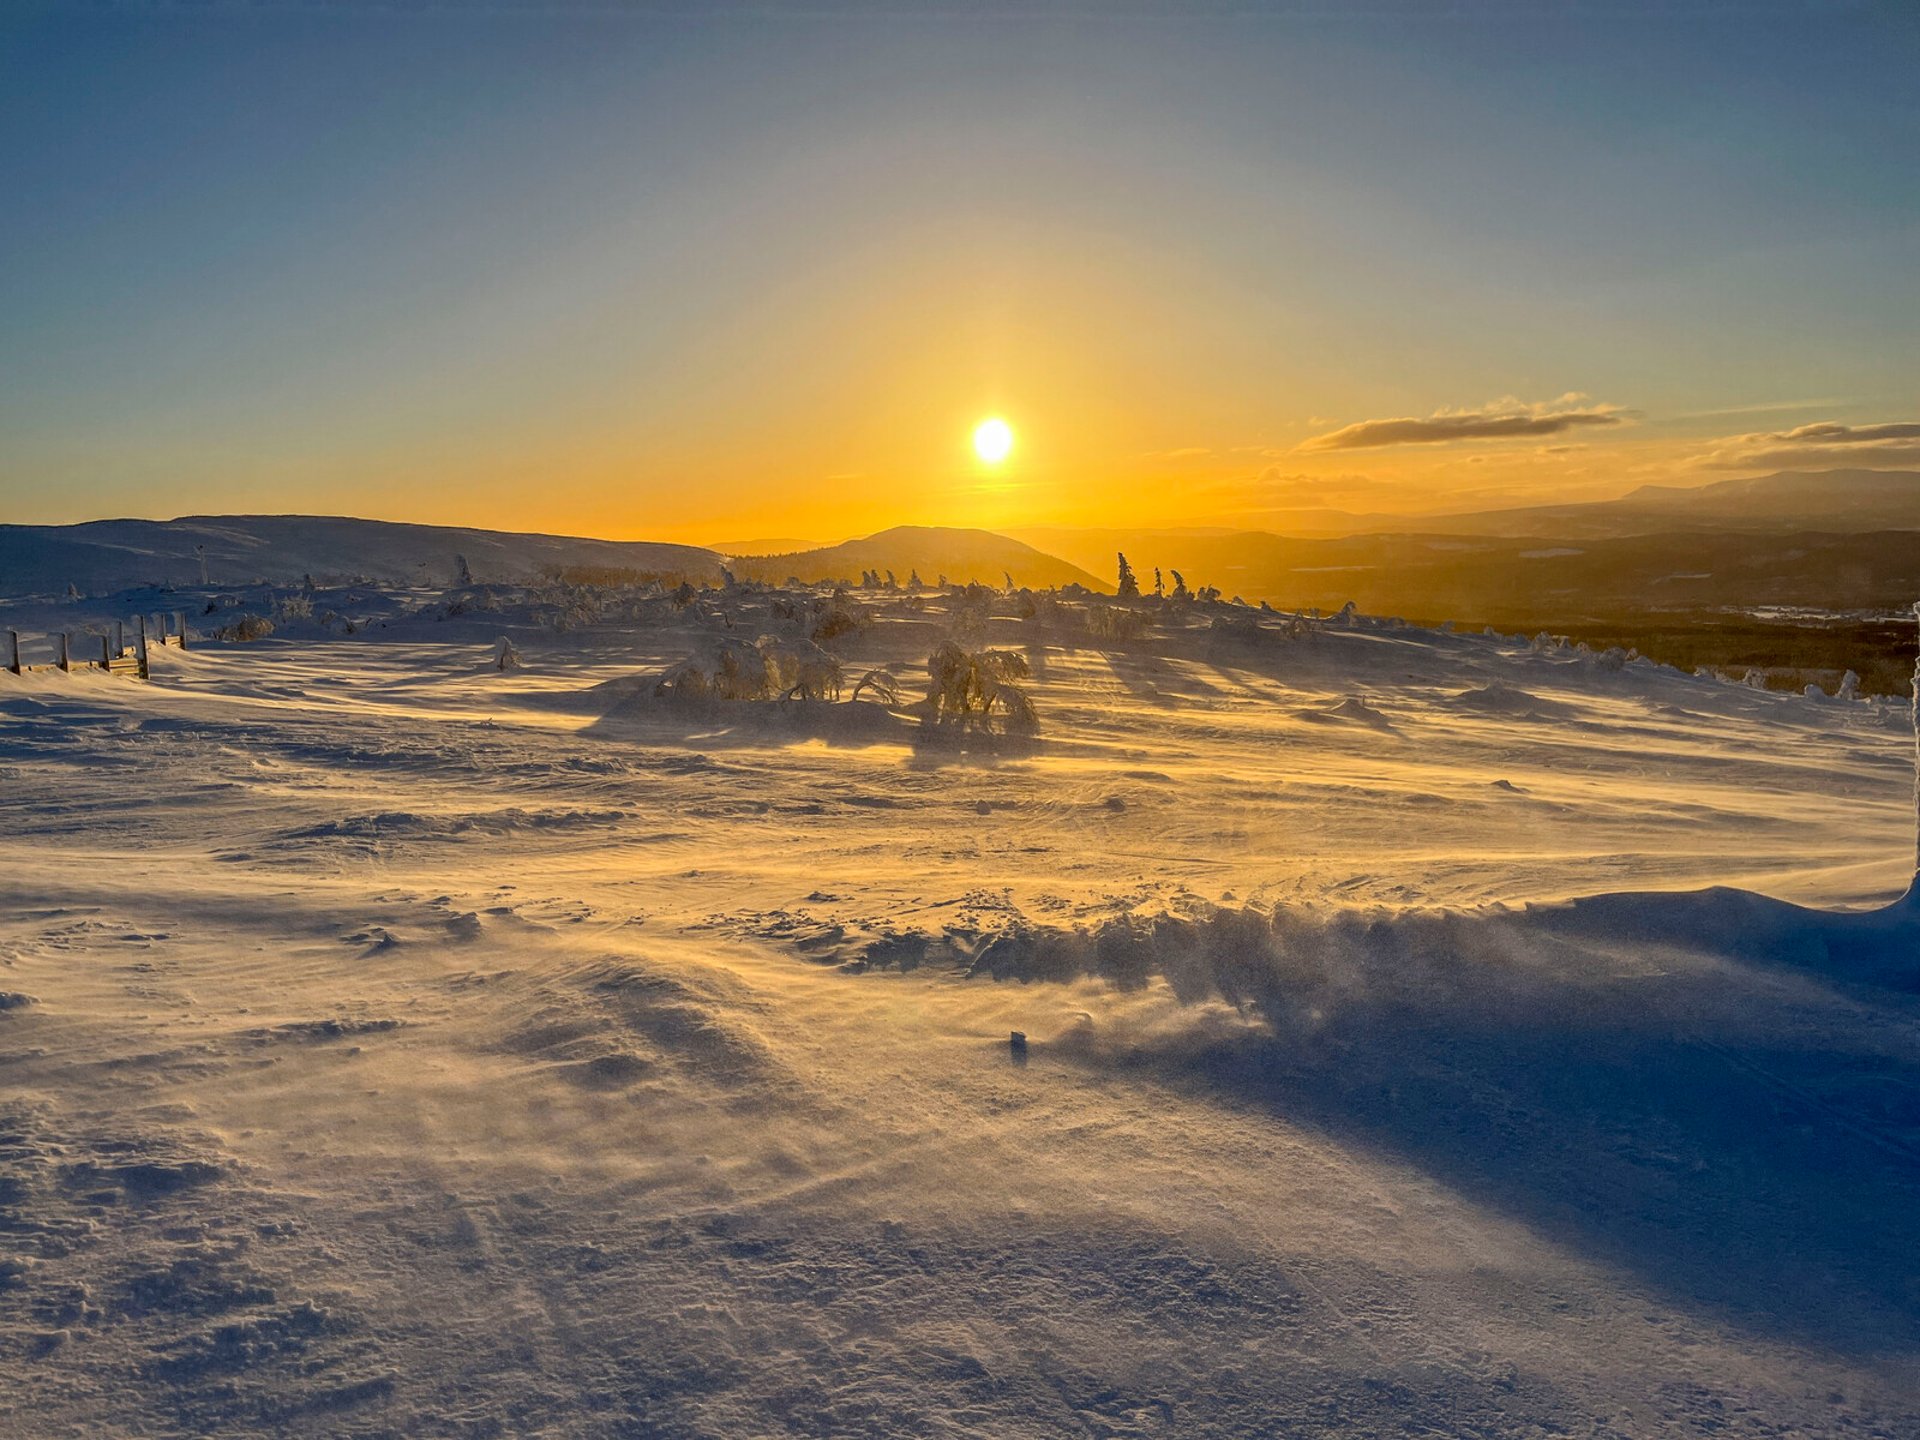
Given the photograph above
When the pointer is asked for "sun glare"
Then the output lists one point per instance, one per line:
(993, 440)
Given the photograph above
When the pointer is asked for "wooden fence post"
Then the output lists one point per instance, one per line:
(142, 641)
(180, 619)
(119, 637)
(66, 662)
(13, 641)
(106, 654)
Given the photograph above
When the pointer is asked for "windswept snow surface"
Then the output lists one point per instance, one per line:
(1429, 1034)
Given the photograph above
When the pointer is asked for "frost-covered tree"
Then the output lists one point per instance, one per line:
(1129, 587)
(882, 683)
(967, 688)
(1159, 584)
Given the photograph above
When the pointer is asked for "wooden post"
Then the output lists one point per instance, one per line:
(106, 654)
(66, 662)
(13, 640)
(180, 620)
(119, 637)
(142, 641)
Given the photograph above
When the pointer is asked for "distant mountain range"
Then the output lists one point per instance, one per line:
(960, 555)
(784, 545)
(1833, 540)
(1836, 501)
(109, 555)
(1831, 500)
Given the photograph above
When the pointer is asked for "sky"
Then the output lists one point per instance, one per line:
(720, 273)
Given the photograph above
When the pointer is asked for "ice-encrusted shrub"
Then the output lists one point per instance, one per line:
(1611, 659)
(970, 609)
(1236, 627)
(881, 682)
(729, 670)
(800, 670)
(1121, 624)
(294, 607)
(247, 627)
(968, 688)
(771, 666)
(507, 656)
(841, 618)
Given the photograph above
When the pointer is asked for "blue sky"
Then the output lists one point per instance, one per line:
(646, 272)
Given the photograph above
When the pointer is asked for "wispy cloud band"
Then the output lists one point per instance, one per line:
(1817, 446)
(1498, 420)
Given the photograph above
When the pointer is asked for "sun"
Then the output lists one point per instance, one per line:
(993, 440)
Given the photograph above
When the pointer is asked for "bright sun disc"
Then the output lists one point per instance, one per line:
(993, 440)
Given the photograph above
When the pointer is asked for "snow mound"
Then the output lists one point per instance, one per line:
(1496, 698)
(1350, 711)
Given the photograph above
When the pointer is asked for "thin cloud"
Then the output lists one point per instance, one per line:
(1500, 420)
(1832, 433)
(1816, 446)
(1778, 408)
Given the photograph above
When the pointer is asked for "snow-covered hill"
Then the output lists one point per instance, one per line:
(1426, 1033)
(104, 556)
(962, 556)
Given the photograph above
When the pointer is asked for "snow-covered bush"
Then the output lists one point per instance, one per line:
(1121, 624)
(507, 656)
(965, 688)
(839, 619)
(729, 670)
(800, 669)
(770, 667)
(247, 627)
(881, 682)
(1235, 627)
(970, 609)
